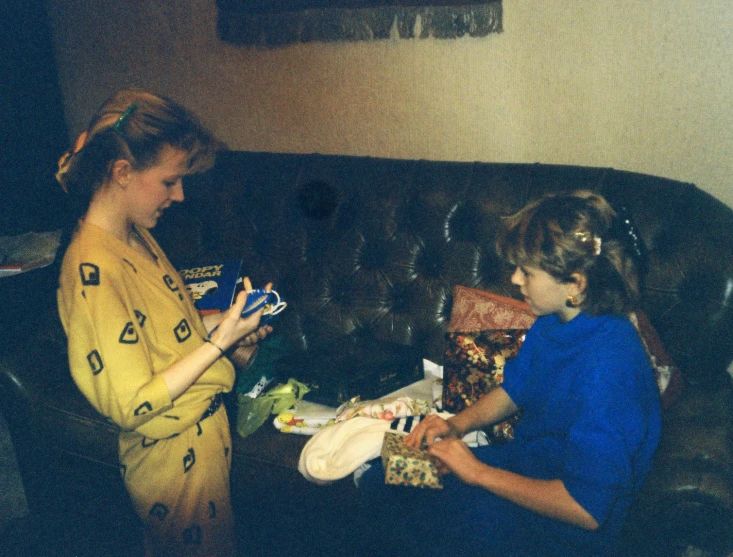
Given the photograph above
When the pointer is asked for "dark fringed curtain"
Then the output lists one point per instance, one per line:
(273, 23)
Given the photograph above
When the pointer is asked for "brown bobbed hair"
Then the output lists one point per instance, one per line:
(568, 233)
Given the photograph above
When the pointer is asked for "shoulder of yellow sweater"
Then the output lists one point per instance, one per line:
(96, 246)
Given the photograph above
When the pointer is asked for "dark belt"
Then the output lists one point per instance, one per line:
(213, 407)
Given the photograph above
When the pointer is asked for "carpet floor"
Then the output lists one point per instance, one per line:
(87, 513)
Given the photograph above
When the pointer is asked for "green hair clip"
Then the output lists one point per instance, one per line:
(119, 125)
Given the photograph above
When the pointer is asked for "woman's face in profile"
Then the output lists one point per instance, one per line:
(154, 189)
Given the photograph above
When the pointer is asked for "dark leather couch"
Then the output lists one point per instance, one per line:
(367, 245)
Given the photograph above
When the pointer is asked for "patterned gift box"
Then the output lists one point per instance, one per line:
(404, 465)
(474, 364)
(485, 331)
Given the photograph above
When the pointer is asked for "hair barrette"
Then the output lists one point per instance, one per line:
(628, 229)
(119, 125)
(586, 237)
(597, 245)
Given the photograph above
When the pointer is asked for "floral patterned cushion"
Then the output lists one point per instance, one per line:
(668, 375)
(476, 310)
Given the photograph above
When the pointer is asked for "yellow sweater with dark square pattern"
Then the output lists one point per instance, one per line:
(128, 318)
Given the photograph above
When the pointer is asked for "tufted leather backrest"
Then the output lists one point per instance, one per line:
(359, 244)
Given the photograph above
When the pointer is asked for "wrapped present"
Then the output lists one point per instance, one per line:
(404, 465)
(474, 364)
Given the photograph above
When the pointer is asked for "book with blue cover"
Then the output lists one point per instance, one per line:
(213, 285)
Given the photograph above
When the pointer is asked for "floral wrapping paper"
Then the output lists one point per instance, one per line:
(383, 409)
(406, 466)
(474, 365)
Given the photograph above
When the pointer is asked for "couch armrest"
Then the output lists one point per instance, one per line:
(687, 500)
(18, 402)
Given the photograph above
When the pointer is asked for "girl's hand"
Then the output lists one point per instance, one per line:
(454, 456)
(431, 428)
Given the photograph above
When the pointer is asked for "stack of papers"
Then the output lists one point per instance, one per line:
(32, 250)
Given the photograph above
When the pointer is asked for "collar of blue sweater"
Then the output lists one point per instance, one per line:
(576, 329)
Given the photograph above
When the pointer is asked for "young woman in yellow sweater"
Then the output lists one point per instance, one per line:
(138, 349)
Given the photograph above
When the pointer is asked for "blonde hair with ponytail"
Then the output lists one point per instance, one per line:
(135, 126)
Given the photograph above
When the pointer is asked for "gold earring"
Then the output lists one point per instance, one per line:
(571, 302)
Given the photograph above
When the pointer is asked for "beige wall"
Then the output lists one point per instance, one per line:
(640, 85)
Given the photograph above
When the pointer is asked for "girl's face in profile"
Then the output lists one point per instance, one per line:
(156, 188)
(543, 292)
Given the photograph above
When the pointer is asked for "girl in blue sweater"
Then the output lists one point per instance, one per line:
(590, 407)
